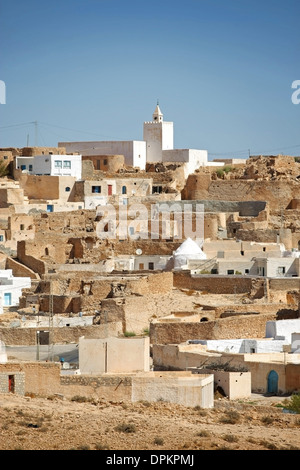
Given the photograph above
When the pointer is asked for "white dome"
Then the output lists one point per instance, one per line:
(188, 250)
(189, 247)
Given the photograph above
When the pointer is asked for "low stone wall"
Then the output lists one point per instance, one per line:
(213, 284)
(248, 326)
(113, 388)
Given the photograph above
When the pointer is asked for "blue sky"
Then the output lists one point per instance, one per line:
(94, 69)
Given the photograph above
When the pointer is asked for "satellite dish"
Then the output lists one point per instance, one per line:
(139, 251)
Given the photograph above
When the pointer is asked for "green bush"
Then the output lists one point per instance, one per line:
(227, 168)
(294, 403)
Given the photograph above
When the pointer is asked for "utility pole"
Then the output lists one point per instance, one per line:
(50, 345)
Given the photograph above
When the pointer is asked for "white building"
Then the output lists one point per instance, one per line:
(279, 333)
(134, 151)
(157, 146)
(11, 288)
(52, 165)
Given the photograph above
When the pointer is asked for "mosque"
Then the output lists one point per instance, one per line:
(157, 146)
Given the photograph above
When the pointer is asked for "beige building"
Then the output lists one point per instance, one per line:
(114, 355)
(182, 388)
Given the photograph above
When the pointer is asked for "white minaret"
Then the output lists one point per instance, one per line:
(158, 115)
(158, 135)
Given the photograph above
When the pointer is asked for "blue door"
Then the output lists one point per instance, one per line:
(273, 382)
(7, 299)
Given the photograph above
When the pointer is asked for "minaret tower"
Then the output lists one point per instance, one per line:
(158, 115)
(158, 135)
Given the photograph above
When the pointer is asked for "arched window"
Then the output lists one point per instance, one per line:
(124, 190)
(68, 189)
(46, 251)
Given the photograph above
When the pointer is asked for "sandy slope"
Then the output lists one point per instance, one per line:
(55, 423)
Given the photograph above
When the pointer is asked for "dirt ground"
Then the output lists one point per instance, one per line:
(57, 423)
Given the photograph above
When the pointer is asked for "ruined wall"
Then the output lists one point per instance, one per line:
(19, 270)
(110, 163)
(30, 261)
(277, 193)
(27, 336)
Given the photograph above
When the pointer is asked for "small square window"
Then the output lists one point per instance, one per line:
(58, 164)
(67, 164)
(96, 189)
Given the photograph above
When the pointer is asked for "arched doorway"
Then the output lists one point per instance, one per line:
(273, 382)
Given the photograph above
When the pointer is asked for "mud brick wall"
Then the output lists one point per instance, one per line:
(212, 284)
(249, 326)
(293, 377)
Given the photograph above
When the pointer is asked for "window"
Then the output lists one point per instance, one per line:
(1, 238)
(5, 157)
(242, 253)
(105, 162)
(22, 227)
(151, 266)
(30, 168)
(230, 271)
(96, 189)
(68, 189)
(23, 167)
(156, 189)
(98, 164)
(58, 164)
(247, 271)
(281, 270)
(67, 164)
(7, 298)
(124, 190)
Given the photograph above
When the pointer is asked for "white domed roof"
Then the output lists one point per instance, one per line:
(190, 247)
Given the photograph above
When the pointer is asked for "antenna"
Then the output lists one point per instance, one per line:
(36, 133)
